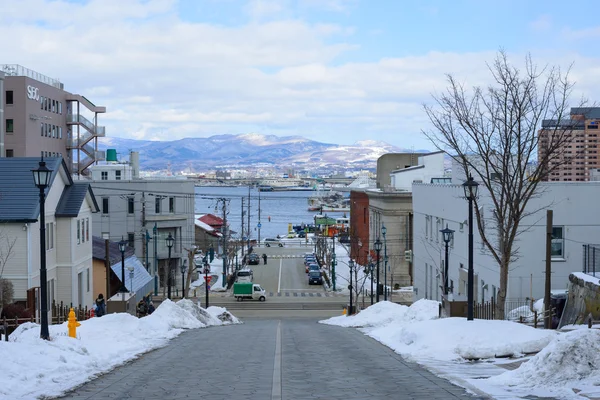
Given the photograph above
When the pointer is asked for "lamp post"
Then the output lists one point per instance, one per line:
(169, 241)
(206, 282)
(351, 266)
(378, 250)
(333, 262)
(371, 269)
(447, 234)
(183, 271)
(385, 262)
(470, 188)
(122, 245)
(41, 178)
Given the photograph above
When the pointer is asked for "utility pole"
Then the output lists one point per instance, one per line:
(259, 224)
(547, 311)
(107, 266)
(248, 218)
(155, 236)
(224, 232)
(242, 236)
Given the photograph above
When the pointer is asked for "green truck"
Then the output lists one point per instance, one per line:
(248, 290)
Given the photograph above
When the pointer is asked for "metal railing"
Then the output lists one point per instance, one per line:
(19, 70)
(591, 259)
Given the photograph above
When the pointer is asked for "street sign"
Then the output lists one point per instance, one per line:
(259, 225)
(208, 287)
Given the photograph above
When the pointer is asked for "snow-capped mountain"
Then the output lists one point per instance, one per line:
(238, 151)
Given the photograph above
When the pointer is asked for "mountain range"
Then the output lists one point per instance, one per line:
(249, 151)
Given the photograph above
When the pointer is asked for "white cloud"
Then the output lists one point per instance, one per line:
(163, 78)
(541, 24)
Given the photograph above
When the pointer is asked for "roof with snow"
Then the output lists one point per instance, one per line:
(211, 220)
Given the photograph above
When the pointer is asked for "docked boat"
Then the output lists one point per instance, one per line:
(276, 184)
(330, 202)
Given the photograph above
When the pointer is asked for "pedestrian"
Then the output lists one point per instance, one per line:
(142, 310)
(265, 258)
(100, 305)
(151, 308)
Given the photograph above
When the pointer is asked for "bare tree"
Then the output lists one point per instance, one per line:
(492, 133)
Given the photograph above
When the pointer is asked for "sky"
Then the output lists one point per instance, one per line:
(335, 71)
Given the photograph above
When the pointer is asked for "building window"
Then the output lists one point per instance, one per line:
(60, 107)
(42, 129)
(558, 242)
(60, 132)
(104, 175)
(130, 239)
(87, 276)
(9, 153)
(118, 175)
(9, 97)
(171, 205)
(130, 205)
(9, 125)
(87, 229)
(78, 231)
(105, 205)
(157, 205)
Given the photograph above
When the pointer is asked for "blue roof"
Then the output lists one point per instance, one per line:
(19, 197)
(142, 281)
(73, 197)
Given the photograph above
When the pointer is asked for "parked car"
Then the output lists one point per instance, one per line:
(253, 259)
(311, 266)
(273, 242)
(301, 234)
(244, 275)
(292, 235)
(314, 277)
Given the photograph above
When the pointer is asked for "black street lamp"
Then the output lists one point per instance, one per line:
(447, 234)
(41, 178)
(371, 270)
(333, 262)
(169, 241)
(377, 249)
(183, 271)
(470, 188)
(351, 266)
(206, 282)
(122, 245)
(385, 262)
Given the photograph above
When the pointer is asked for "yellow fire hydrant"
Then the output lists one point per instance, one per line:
(72, 324)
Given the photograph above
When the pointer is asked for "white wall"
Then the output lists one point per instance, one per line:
(430, 166)
(574, 205)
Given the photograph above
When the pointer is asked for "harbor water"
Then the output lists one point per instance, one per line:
(278, 209)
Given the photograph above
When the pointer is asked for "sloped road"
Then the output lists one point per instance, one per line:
(270, 359)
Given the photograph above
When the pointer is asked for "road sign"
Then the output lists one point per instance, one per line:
(259, 225)
(207, 287)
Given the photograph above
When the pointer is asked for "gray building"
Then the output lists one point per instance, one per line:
(144, 213)
(41, 118)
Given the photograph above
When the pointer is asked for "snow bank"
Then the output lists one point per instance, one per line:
(571, 360)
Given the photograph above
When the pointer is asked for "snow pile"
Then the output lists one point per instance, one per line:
(33, 368)
(521, 314)
(571, 360)
(224, 316)
(385, 313)
(176, 316)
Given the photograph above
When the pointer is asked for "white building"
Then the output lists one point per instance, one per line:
(430, 166)
(576, 221)
(69, 206)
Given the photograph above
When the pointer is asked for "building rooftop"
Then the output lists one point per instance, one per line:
(19, 70)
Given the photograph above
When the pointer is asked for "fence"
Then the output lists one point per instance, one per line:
(591, 258)
(60, 314)
(514, 310)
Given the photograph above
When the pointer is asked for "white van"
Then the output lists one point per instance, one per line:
(244, 275)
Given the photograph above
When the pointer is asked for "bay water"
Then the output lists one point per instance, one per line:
(277, 209)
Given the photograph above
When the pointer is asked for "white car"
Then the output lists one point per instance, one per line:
(273, 242)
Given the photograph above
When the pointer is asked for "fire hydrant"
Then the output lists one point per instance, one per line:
(72, 324)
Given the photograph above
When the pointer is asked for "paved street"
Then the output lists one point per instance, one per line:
(291, 358)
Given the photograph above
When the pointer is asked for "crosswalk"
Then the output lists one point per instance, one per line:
(302, 294)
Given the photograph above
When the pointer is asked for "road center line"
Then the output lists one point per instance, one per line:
(276, 391)
(279, 282)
